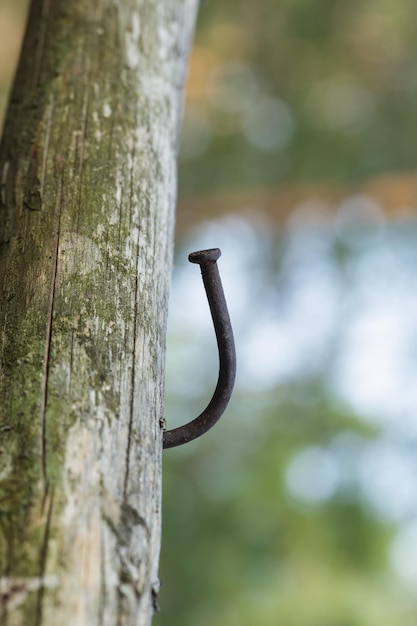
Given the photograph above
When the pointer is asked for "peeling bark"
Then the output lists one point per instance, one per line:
(87, 196)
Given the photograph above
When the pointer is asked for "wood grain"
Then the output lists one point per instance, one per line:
(87, 197)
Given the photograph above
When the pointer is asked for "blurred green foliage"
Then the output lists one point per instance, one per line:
(239, 547)
(334, 80)
(289, 91)
(255, 556)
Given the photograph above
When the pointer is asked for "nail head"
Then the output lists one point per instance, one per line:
(204, 256)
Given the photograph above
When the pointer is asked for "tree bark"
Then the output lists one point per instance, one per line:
(87, 195)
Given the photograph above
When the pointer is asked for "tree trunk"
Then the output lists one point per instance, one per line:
(87, 195)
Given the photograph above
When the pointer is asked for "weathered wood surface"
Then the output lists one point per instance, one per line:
(87, 195)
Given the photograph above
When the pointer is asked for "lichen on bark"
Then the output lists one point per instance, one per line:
(87, 196)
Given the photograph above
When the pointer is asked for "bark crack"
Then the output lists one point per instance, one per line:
(43, 31)
(132, 383)
(42, 560)
(48, 343)
(47, 141)
(133, 373)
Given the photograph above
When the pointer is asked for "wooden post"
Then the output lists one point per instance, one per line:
(87, 195)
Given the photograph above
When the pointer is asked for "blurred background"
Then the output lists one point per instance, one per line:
(297, 159)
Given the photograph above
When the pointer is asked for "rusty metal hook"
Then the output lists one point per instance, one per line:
(227, 355)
